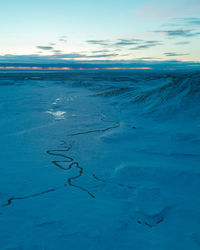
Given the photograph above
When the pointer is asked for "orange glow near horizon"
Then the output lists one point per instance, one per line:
(66, 68)
(20, 68)
(129, 68)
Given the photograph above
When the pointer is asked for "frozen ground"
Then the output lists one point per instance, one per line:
(103, 161)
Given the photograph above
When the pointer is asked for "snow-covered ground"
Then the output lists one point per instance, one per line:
(103, 161)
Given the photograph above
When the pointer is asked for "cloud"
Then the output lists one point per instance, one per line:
(175, 54)
(56, 51)
(63, 39)
(66, 55)
(184, 21)
(101, 55)
(99, 42)
(179, 33)
(182, 43)
(123, 43)
(152, 42)
(45, 47)
(191, 20)
(148, 58)
(47, 62)
(36, 58)
(127, 42)
(130, 40)
(116, 43)
(101, 51)
(147, 44)
(54, 58)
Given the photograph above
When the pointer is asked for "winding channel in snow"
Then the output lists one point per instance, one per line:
(73, 164)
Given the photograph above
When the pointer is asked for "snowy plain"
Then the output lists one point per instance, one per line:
(99, 160)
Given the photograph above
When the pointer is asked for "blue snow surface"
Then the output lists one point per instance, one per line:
(99, 160)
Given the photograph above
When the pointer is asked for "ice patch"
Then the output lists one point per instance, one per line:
(57, 100)
(58, 115)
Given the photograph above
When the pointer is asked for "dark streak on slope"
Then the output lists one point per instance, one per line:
(28, 196)
(119, 184)
(95, 131)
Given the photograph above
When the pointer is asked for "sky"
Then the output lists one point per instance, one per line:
(88, 31)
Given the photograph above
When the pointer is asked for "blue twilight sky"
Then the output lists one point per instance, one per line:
(89, 30)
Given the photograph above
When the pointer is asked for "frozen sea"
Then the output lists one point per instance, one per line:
(99, 160)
